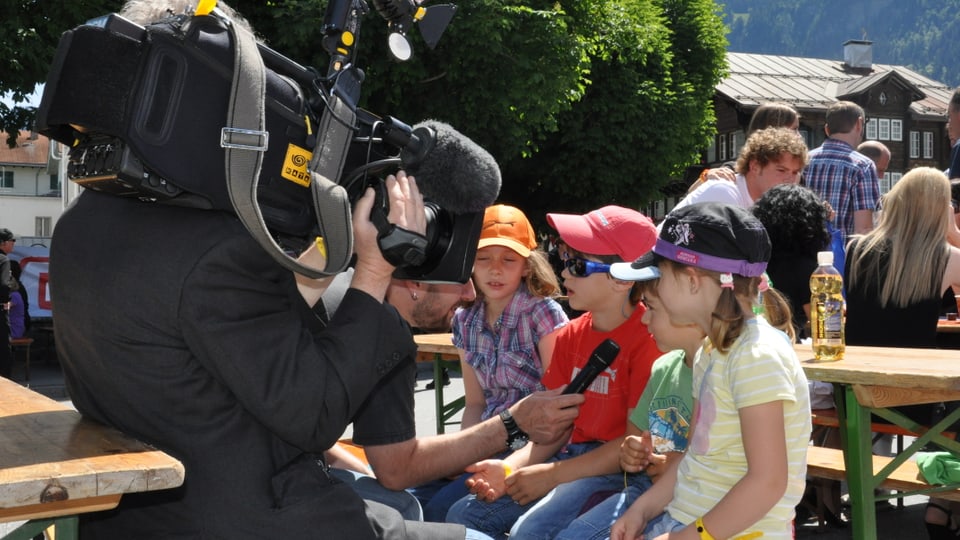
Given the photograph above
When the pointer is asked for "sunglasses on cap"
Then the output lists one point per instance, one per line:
(583, 268)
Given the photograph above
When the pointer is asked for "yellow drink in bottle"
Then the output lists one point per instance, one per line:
(826, 309)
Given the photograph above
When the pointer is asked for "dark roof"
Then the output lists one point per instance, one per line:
(812, 84)
(28, 152)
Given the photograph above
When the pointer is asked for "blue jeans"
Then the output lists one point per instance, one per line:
(554, 512)
(661, 524)
(595, 523)
(438, 496)
(498, 517)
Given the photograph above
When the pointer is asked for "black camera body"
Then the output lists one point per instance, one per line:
(143, 110)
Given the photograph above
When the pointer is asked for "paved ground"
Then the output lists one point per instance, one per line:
(895, 524)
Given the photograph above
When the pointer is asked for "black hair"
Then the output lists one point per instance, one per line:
(795, 219)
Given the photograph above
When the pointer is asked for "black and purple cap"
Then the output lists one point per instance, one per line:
(712, 236)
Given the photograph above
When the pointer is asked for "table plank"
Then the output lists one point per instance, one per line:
(54, 462)
(937, 369)
(875, 376)
(435, 343)
(948, 327)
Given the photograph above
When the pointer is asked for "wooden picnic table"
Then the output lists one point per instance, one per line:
(54, 464)
(439, 349)
(871, 380)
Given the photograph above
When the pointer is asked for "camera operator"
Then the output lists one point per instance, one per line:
(176, 328)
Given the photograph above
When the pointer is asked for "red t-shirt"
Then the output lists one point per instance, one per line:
(603, 416)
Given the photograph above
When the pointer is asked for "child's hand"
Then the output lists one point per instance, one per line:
(635, 452)
(487, 482)
(658, 463)
(530, 483)
(630, 525)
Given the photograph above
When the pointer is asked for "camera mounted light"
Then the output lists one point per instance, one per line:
(401, 16)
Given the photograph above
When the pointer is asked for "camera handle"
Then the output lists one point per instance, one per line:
(400, 247)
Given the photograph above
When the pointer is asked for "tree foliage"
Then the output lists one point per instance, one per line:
(647, 112)
(582, 102)
(31, 30)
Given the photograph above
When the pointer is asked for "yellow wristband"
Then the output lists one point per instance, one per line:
(507, 470)
(702, 530)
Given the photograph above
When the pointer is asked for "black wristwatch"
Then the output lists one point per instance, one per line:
(516, 438)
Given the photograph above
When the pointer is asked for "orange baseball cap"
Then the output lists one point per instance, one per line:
(507, 226)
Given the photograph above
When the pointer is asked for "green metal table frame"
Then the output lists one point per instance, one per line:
(67, 528)
(856, 440)
(445, 411)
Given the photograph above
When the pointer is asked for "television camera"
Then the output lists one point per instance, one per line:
(142, 109)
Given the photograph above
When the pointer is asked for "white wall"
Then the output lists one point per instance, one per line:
(19, 213)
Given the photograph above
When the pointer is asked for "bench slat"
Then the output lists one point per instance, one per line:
(828, 463)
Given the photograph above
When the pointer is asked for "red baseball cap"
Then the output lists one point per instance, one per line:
(507, 226)
(611, 230)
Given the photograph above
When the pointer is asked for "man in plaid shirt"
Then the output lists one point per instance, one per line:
(842, 176)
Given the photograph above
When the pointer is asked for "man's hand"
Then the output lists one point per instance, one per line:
(373, 272)
(546, 416)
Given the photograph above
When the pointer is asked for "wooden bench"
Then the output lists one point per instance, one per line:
(828, 463)
(23, 344)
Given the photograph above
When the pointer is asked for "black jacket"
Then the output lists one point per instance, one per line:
(175, 327)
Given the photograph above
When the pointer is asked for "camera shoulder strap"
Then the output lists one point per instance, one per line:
(245, 140)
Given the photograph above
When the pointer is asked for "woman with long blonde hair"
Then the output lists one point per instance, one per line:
(896, 276)
(897, 273)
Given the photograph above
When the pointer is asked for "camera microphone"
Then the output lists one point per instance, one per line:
(451, 170)
(600, 359)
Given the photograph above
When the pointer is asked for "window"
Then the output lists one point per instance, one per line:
(712, 152)
(914, 144)
(42, 226)
(723, 147)
(6, 179)
(885, 183)
(896, 130)
(884, 129)
(736, 143)
(54, 182)
(894, 178)
(806, 137)
(927, 145)
(872, 128)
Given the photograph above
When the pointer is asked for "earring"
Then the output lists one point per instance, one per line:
(414, 296)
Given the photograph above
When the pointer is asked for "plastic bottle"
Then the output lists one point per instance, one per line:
(826, 309)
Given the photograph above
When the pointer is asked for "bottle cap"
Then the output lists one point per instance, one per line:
(825, 257)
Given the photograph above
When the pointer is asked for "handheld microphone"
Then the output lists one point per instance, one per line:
(600, 359)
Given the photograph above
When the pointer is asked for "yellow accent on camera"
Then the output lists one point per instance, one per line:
(295, 165)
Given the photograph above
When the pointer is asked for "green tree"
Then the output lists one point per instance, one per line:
(647, 112)
(31, 30)
(582, 102)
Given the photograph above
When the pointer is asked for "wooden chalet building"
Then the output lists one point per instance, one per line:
(905, 110)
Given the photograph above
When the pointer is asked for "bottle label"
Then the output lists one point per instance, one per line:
(832, 319)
